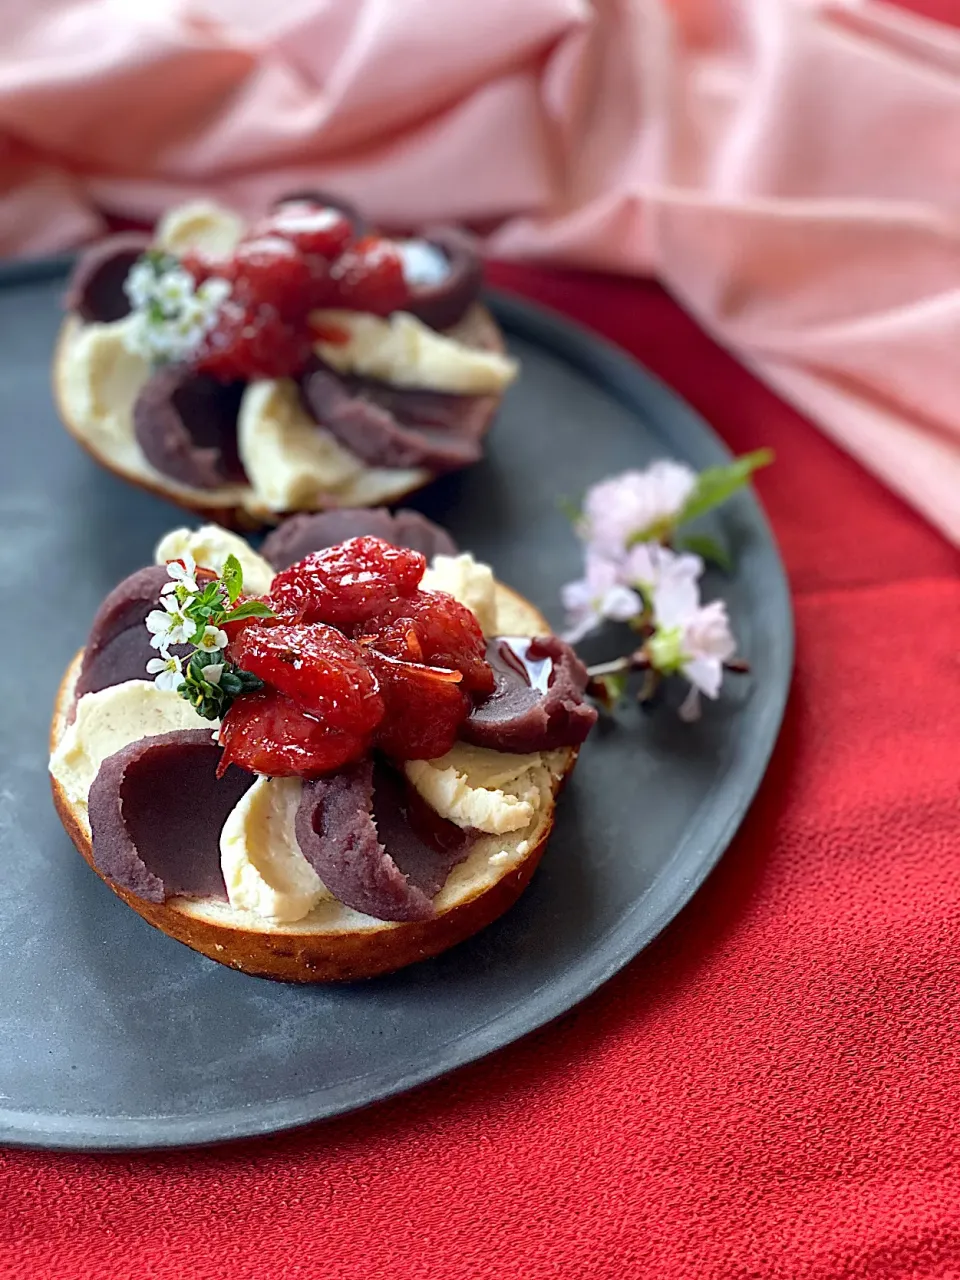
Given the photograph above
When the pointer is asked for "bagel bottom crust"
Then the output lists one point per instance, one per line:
(334, 955)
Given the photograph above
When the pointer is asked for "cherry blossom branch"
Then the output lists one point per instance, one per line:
(642, 570)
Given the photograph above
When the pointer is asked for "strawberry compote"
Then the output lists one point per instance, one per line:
(303, 257)
(357, 658)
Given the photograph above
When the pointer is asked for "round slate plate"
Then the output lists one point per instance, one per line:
(114, 1036)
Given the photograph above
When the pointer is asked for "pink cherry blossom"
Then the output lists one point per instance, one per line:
(634, 504)
(647, 565)
(598, 595)
(692, 639)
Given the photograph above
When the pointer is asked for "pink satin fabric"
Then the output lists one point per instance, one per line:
(789, 169)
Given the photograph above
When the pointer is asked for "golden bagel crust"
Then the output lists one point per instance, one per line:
(477, 329)
(293, 953)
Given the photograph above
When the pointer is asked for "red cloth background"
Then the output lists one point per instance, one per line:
(771, 1090)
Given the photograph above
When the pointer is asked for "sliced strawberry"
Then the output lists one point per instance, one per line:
(270, 271)
(368, 276)
(346, 584)
(267, 733)
(425, 707)
(316, 230)
(432, 627)
(322, 671)
(247, 344)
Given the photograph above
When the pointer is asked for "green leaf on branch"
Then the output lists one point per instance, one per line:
(715, 485)
(232, 578)
(249, 609)
(707, 548)
(212, 699)
(610, 690)
(570, 509)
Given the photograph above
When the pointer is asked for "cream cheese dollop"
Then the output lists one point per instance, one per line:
(263, 867)
(490, 791)
(109, 720)
(402, 350)
(101, 379)
(200, 225)
(470, 582)
(291, 462)
(210, 545)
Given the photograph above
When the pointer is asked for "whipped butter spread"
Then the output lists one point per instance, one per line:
(210, 545)
(291, 461)
(489, 791)
(201, 226)
(263, 867)
(470, 582)
(402, 350)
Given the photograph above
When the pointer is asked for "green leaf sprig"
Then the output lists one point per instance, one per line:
(714, 487)
(195, 613)
(212, 692)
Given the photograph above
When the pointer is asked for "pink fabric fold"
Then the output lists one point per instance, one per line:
(789, 169)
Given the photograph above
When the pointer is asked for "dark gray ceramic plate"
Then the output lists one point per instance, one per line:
(114, 1036)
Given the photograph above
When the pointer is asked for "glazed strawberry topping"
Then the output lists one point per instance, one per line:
(321, 669)
(301, 258)
(348, 583)
(357, 657)
(425, 707)
(315, 230)
(432, 628)
(268, 271)
(252, 342)
(268, 733)
(369, 277)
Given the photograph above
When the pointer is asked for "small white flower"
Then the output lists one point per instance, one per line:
(676, 599)
(188, 336)
(213, 640)
(137, 335)
(193, 313)
(633, 505)
(212, 672)
(159, 624)
(599, 594)
(648, 564)
(708, 643)
(183, 572)
(173, 288)
(188, 312)
(139, 284)
(170, 625)
(691, 639)
(167, 671)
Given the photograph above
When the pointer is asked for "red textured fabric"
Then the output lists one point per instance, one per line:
(770, 1091)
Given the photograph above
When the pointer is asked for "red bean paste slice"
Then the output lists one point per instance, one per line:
(95, 291)
(345, 826)
(118, 646)
(301, 535)
(389, 426)
(442, 305)
(156, 812)
(186, 425)
(538, 703)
